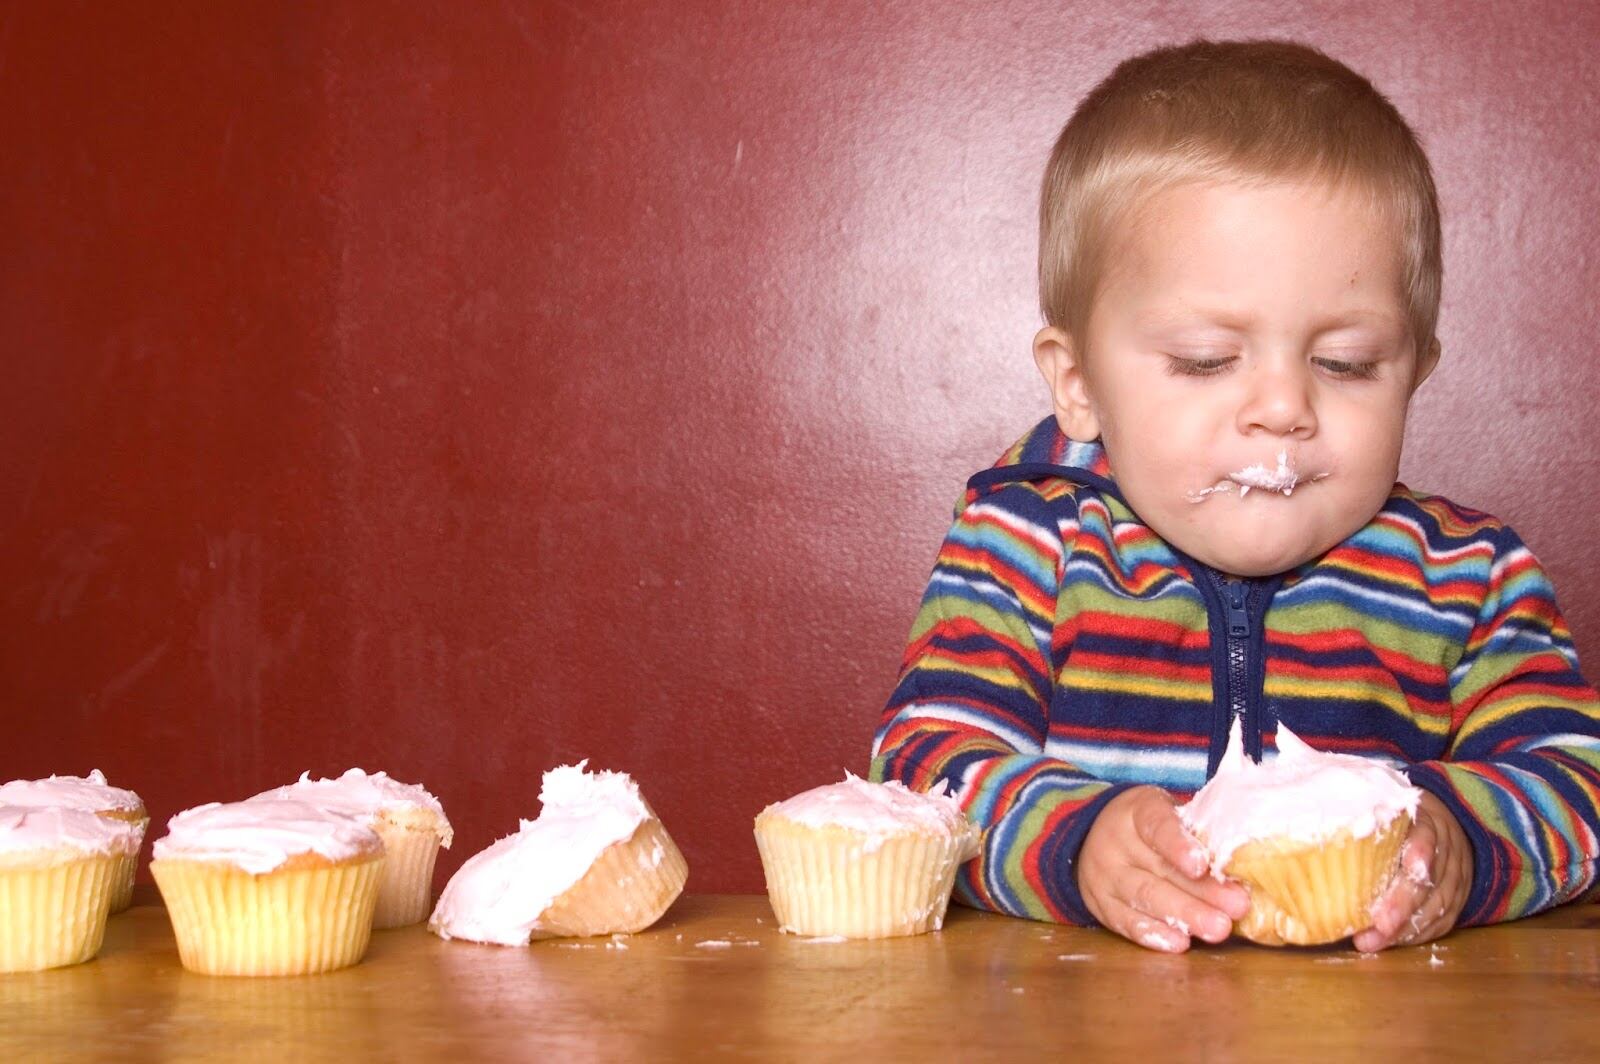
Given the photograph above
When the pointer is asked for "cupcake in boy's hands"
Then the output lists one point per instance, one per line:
(268, 887)
(59, 872)
(597, 861)
(410, 821)
(1314, 836)
(91, 794)
(863, 860)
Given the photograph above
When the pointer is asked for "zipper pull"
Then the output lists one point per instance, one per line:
(1238, 616)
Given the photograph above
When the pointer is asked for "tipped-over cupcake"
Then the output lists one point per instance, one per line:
(59, 871)
(92, 794)
(268, 887)
(1314, 836)
(597, 861)
(411, 823)
(863, 860)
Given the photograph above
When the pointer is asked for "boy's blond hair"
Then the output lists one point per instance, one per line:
(1248, 111)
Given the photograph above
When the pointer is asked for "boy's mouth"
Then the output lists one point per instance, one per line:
(1282, 478)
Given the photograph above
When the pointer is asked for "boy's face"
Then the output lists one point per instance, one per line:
(1235, 325)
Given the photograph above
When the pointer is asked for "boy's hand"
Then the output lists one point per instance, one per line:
(1146, 878)
(1426, 898)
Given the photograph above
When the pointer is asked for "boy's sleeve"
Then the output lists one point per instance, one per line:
(972, 705)
(1522, 774)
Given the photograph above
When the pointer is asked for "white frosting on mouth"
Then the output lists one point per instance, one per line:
(880, 810)
(362, 795)
(501, 892)
(91, 793)
(260, 834)
(1303, 794)
(1283, 478)
(25, 828)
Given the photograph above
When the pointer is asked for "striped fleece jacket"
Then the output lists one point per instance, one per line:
(1064, 652)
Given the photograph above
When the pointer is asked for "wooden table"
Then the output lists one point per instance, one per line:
(715, 978)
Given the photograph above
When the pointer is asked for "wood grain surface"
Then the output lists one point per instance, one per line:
(716, 979)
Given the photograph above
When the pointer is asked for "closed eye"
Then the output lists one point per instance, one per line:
(1197, 367)
(1359, 371)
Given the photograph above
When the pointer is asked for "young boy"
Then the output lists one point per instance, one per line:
(1240, 269)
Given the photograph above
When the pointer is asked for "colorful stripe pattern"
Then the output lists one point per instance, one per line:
(1063, 653)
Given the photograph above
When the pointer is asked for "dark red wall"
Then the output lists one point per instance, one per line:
(459, 390)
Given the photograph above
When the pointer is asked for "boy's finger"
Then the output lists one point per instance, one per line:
(1168, 902)
(1416, 856)
(1427, 923)
(1397, 905)
(1161, 830)
(1412, 882)
(1225, 895)
(1148, 931)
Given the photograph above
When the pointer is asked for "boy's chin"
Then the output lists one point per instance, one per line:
(1255, 559)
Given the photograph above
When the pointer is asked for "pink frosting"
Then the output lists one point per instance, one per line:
(363, 794)
(1303, 794)
(89, 792)
(260, 834)
(25, 828)
(879, 809)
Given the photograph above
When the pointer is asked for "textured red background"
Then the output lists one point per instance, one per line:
(459, 390)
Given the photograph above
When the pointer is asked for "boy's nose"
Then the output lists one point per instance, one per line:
(1279, 403)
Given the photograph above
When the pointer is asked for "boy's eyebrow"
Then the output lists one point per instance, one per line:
(1361, 316)
(1167, 319)
(1233, 321)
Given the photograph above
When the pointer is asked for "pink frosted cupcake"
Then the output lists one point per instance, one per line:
(59, 871)
(90, 794)
(268, 887)
(1315, 837)
(411, 823)
(863, 860)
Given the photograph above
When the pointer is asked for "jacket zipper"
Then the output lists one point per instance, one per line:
(1234, 597)
(1236, 600)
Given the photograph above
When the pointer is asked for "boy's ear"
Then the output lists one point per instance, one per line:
(1425, 364)
(1058, 359)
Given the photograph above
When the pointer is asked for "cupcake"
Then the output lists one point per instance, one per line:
(597, 861)
(1315, 837)
(863, 860)
(268, 887)
(91, 794)
(408, 819)
(59, 871)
